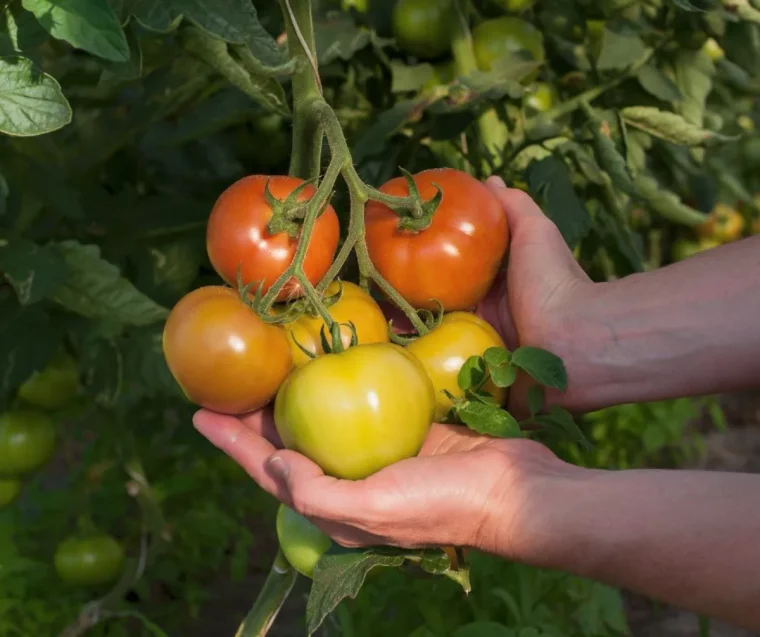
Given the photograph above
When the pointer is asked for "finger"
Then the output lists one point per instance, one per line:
(518, 205)
(262, 423)
(244, 445)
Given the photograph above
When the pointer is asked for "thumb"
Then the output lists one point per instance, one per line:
(518, 206)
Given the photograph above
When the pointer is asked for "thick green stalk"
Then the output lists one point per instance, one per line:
(306, 157)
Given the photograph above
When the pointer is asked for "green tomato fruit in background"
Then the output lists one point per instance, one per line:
(424, 27)
(686, 248)
(540, 98)
(27, 440)
(93, 560)
(362, 6)
(515, 6)
(9, 491)
(53, 387)
(499, 38)
(302, 543)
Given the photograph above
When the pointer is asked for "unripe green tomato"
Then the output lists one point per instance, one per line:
(540, 98)
(9, 491)
(424, 28)
(685, 248)
(515, 6)
(498, 38)
(27, 440)
(362, 6)
(356, 412)
(93, 560)
(302, 543)
(53, 387)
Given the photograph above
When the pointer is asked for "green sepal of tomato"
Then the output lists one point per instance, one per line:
(302, 543)
(92, 560)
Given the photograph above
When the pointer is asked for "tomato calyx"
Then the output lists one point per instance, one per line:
(416, 214)
(332, 344)
(288, 214)
(432, 320)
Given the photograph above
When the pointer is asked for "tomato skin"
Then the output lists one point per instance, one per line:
(53, 387)
(724, 225)
(541, 98)
(446, 348)
(302, 543)
(224, 357)
(356, 412)
(516, 6)
(89, 561)
(237, 236)
(423, 27)
(455, 260)
(498, 38)
(27, 441)
(9, 491)
(355, 306)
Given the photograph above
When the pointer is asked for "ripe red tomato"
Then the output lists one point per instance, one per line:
(89, 561)
(455, 260)
(237, 236)
(224, 357)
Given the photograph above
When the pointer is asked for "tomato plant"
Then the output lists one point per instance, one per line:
(302, 543)
(446, 348)
(9, 490)
(495, 39)
(354, 307)
(27, 441)
(90, 560)
(454, 260)
(223, 356)
(54, 386)
(239, 237)
(423, 27)
(358, 411)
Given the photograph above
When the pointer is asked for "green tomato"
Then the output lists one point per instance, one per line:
(53, 387)
(27, 440)
(89, 561)
(362, 6)
(357, 412)
(424, 27)
(302, 543)
(540, 98)
(499, 38)
(515, 6)
(9, 490)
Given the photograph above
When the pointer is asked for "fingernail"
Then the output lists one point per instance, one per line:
(278, 468)
(496, 181)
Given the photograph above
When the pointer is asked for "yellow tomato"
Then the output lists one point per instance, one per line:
(445, 349)
(724, 225)
(358, 411)
(355, 306)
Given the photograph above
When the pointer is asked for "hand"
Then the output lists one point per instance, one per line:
(462, 490)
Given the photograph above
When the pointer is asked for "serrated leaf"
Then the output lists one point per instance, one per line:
(31, 102)
(500, 368)
(536, 400)
(671, 127)
(561, 425)
(90, 25)
(544, 367)
(658, 84)
(620, 49)
(472, 373)
(340, 574)
(34, 271)
(96, 289)
(489, 420)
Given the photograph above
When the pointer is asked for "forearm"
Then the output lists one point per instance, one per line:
(687, 539)
(686, 330)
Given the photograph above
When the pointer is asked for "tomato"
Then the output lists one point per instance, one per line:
(713, 50)
(724, 225)
(302, 543)
(501, 37)
(89, 560)
(355, 306)
(446, 348)
(685, 248)
(222, 354)
(27, 440)
(237, 236)
(362, 6)
(515, 6)
(54, 386)
(455, 260)
(358, 411)
(540, 98)
(424, 27)
(9, 491)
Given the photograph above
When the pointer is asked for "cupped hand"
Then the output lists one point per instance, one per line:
(462, 490)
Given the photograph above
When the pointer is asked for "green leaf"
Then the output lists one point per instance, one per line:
(90, 25)
(484, 629)
(620, 48)
(339, 38)
(499, 362)
(338, 575)
(536, 400)
(35, 272)
(694, 71)
(96, 289)
(549, 182)
(408, 79)
(435, 562)
(116, 73)
(472, 374)
(560, 425)
(671, 127)
(658, 84)
(31, 102)
(102, 363)
(373, 141)
(19, 30)
(544, 367)
(489, 420)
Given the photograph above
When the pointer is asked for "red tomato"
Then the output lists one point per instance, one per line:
(222, 354)
(455, 260)
(237, 236)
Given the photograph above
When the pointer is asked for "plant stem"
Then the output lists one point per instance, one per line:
(277, 587)
(307, 134)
